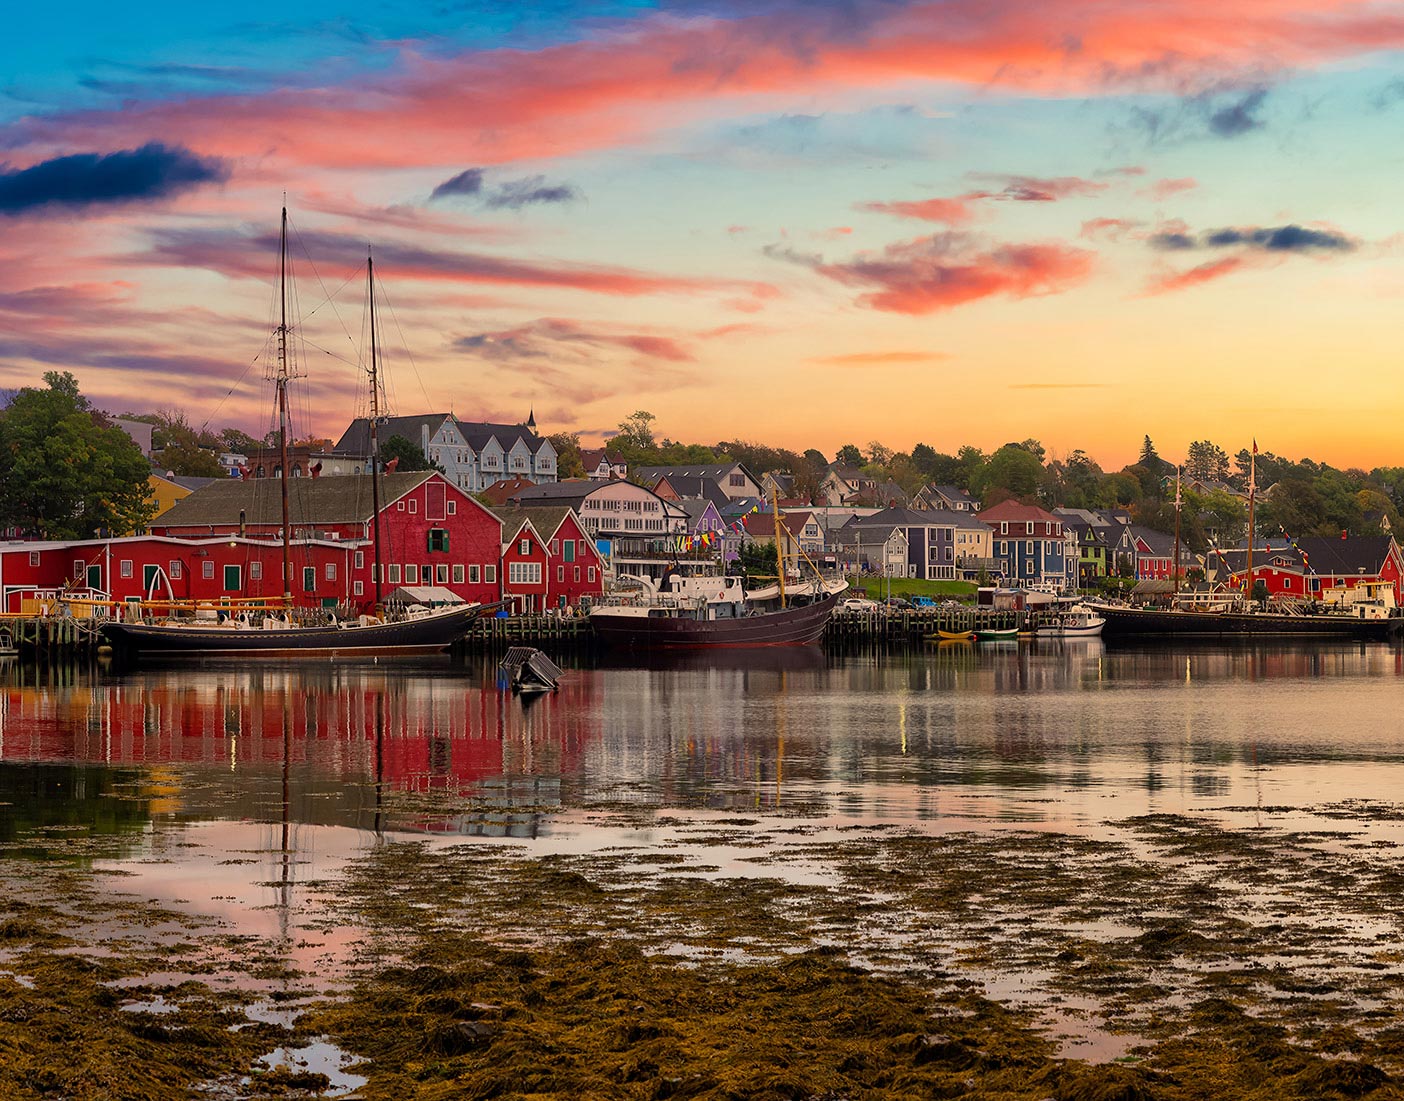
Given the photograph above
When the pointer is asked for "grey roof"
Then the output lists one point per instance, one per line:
(573, 491)
(544, 518)
(919, 518)
(478, 433)
(952, 493)
(696, 509)
(311, 501)
(356, 439)
(850, 535)
(690, 488)
(1354, 556)
(698, 470)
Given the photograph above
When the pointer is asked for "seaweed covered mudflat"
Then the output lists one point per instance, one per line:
(1253, 954)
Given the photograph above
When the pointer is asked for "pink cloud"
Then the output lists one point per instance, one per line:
(1163, 189)
(1107, 229)
(930, 274)
(952, 212)
(1204, 273)
(637, 79)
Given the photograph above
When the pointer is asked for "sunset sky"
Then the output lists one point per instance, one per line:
(801, 222)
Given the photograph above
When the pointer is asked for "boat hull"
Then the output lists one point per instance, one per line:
(1156, 623)
(428, 634)
(787, 627)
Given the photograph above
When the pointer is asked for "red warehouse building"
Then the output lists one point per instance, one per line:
(547, 559)
(431, 532)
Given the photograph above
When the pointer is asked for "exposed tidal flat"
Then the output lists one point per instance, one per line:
(1071, 871)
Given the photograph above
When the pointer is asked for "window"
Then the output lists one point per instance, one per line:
(77, 569)
(577, 573)
(524, 573)
(126, 570)
(411, 574)
(453, 507)
(357, 589)
(568, 550)
(592, 574)
(207, 570)
(473, 573)
(737, 480)
(360, 560)
(149, 574)
(438, 539)
(441, 574)
(399, 506)
(524, 547)
(458, 575)
(177, 570)
(309, 579)
(555, 547)
(560, 573)
(231, 579)
(1004, 527)
(413, 505)
(490, 574)
(255, 571)
(331, 571)
(34, 561)
(393, 572)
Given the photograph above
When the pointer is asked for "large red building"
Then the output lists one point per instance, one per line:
(224, 542)
(548, 561)
(1314, 564)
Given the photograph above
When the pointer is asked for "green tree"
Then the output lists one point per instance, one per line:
(1207, 462)
(410, 454)
(849, 455)
(237, 441)
(189, 460)
(816, 458)
(757, 559)
(1148, 457)
(636, 430)
(568, 461)
(65, 471)
(1012, 469)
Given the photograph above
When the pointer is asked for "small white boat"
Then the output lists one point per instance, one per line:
(1079, 621)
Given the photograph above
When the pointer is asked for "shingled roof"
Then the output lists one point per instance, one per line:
(545, 520)
(341, 499)
(356, 439)
(1354, 556)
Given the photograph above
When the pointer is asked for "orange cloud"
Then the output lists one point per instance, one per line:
(1204, 273)
(1163, 189)
(952, 212)
(937, 273)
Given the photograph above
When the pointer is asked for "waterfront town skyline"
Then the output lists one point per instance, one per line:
(752, 220)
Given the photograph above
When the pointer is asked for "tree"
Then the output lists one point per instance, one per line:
(411, 455)
(878, 453)
(189, 461)
(568, 461)
(849, 455)
(815, 458)
(1207, 461)
(1148, 458)
(636, 430)
(1011, 469)
(65, 471)
(236, 440)
(757, 559)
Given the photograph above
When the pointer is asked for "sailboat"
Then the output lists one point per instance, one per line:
(256, 631)
(1234, 616)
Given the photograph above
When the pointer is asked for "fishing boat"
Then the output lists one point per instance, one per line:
(252, 629)
(997, 634)
(1364, 611)
(715, 611)
(952, 636)
(1079, 621)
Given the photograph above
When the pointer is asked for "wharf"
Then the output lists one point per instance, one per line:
(913, 624)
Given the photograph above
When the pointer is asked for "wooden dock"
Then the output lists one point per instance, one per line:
(57, 637)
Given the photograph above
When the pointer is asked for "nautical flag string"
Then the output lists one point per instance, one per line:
(1306, 562)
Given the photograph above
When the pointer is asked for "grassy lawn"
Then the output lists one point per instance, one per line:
(911, 586)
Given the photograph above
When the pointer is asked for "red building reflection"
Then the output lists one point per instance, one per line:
(434, 731)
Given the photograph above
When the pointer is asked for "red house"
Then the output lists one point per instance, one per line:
(431, 531)
(548, 561)
(1316, 564)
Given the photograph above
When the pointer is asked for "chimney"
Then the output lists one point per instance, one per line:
(1343, 533)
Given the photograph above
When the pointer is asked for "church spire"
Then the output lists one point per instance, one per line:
(531, 419)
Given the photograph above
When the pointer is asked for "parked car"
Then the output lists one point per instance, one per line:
(923, 602)
(897, 602)
(858, 604)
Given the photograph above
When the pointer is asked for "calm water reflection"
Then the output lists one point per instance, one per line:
(1068, 735)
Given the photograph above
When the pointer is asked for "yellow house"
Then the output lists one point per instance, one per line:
(166, 490)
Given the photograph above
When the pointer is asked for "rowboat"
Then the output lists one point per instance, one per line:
(952, 636)
(997, 634)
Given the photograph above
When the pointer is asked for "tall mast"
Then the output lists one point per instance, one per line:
(282, 384)
(1175, 566)
(1252, 493)
(374, 433)
(779, 554)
